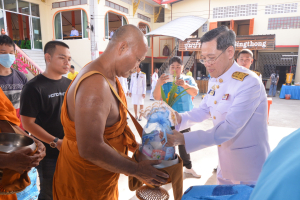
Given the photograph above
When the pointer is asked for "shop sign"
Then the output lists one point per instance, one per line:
(252, 42)
(192, 44)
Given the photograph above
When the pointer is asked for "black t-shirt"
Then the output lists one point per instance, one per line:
(12, 86)
(42, 99)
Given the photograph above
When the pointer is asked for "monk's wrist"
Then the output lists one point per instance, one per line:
(5, 161)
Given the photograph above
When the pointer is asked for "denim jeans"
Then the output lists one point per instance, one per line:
(46, 170)
(272, 91)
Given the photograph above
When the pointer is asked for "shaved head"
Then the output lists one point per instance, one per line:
(128, 47)
(129, 33)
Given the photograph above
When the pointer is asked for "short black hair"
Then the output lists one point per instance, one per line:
(73, 26)
(50, 46)
(72, 66)
(6, 40)
(225, 37)
(175, 59)
(140, 66)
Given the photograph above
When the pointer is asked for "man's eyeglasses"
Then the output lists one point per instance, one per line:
(211, 61)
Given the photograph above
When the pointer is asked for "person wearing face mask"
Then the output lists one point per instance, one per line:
(237, 103)
(11, 80)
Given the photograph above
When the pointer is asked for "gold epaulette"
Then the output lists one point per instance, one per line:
(239, 75)
(258, 74)
(143, 72)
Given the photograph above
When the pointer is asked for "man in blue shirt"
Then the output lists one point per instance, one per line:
(184, 104)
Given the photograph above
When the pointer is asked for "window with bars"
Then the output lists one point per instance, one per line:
(127, 1)
(281, 8)
(116, 6)
(235, 11)
(68, 3)
(284, 23)
(143, 17)
(204, 28)
(149, 9)
(141, 4)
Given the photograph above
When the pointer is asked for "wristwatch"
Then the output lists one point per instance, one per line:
(54, 143)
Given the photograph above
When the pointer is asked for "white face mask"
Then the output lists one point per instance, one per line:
(6, 60)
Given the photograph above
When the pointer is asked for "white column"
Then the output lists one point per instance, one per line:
(297, 75)
(94, 22)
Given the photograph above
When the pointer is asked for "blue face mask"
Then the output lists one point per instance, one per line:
(6, 60)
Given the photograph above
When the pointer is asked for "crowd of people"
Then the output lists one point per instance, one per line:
(83, 124)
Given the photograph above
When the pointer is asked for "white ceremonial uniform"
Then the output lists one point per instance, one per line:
(258, 74)
(239, 112)
(74, 33)
(153, 84)
(138, 88)
(124, 84)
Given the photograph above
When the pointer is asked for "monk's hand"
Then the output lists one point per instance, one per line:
(178, 117)
(129, 94)
(144, 96)
(58, 144)
(20, 160)
(149, 174)
(41, 151)
(172, 140)
(126, 93)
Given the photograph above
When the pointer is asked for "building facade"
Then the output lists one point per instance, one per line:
(32, 23)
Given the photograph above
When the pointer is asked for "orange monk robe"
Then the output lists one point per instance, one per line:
(7, 110)
(7, 113)
(77, 178)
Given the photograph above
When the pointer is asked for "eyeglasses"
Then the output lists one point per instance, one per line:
(211, 61)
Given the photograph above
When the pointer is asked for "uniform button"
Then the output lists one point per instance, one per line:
(215, 102)
(214, 117)
(217, 86)
(219, 145)
(221, 80)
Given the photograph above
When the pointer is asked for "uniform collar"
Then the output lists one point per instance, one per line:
(227, 75)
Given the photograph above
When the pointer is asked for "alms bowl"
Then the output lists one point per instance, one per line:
(10, 142)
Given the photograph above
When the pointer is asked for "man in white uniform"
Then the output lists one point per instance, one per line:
(124, 84)
(74, 32)
(237, 102)
(153, 84)
(138, 90)
(245, 59)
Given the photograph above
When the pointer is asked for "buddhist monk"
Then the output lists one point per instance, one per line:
(93, 119)
(20, 160)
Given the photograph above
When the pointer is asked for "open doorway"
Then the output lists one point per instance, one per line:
(18, 29)
(282, 70)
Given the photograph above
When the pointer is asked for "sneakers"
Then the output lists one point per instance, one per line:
(191, 171)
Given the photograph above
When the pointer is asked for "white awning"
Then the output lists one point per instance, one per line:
(180, 28)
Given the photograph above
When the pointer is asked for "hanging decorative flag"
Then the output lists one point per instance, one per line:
(157, 14)
(135, 6)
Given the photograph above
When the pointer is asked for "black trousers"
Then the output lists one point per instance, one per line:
(182, 152)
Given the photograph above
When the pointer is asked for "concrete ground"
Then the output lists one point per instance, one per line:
(283, 120)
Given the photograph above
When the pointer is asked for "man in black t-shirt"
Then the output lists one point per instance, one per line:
(41, 101)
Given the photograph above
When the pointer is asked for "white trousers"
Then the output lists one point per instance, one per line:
(152, 90)
(137, 99)
(224, 181)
